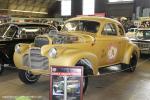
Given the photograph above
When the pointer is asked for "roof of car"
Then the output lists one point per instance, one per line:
(93, 18)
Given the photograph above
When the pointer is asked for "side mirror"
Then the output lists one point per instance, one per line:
(59, 28)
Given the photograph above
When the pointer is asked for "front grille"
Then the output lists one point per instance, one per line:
(26, 60)
(40, 41)
(35, 60)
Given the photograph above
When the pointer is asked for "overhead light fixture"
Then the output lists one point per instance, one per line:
(29, 12)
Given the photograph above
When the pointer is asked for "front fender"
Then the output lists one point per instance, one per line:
(127, 55)
(17, 57)
(71, 57)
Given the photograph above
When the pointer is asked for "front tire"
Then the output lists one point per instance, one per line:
(87, 71)
(85, 82)
(27, 77)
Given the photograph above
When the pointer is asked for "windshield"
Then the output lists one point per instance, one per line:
(3, 29)
(143, 34)
(36, 29)
(11, 31)
(82, 25)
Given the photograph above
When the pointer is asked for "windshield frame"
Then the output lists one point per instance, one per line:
(5, 34)
(6, 26)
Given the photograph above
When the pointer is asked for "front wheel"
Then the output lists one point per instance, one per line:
(87, 72)
(27, 77)
(1, 66)
(85, 82)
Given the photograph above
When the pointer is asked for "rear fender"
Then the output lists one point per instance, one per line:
(128, 54)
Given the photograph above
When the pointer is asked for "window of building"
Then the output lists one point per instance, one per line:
(88, 7)
(66, 8)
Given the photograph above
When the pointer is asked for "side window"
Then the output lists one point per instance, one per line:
(121, 31)
(109, 29)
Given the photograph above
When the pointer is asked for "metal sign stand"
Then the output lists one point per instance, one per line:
(65, 87)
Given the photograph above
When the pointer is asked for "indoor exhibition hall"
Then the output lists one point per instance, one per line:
(74, 49)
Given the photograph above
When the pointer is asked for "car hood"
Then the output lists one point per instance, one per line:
(63, 38)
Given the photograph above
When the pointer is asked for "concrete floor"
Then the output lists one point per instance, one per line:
(118, 86)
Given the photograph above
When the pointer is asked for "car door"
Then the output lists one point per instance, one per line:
(110, 44)
(122, 40)
(10, 43)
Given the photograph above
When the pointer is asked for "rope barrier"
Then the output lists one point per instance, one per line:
(122, 70)
(119, 70)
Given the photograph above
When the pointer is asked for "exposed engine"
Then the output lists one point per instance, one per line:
(56, 37)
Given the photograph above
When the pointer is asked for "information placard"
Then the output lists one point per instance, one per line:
(66, 83)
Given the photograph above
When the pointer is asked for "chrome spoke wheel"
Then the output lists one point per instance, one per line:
(30, 76)
(27, 77)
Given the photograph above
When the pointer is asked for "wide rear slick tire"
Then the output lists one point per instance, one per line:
(27, 77)
(132, 64)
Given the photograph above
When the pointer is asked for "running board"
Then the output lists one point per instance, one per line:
(111, 68)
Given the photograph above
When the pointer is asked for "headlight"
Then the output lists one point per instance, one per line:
(52, 52)
(17, 48)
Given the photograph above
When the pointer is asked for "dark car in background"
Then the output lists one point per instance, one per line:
(14, 33)
(142, 39)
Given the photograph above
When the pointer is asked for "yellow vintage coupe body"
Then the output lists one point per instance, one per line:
(88, 41)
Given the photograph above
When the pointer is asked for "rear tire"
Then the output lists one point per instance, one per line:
(27, 77)
(1, 66)
(132, 64)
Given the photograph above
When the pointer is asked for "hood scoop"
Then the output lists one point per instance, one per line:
(55, 38)
(62, 38)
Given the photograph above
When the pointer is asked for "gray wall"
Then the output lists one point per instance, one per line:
(76, 7)
(100, 6)
(142, 8)
(120, 9)
(143, 3)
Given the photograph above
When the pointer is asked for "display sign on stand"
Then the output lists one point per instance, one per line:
(66, 83)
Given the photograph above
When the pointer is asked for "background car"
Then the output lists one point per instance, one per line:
(142, 39)
(14, 33)
(131, 32)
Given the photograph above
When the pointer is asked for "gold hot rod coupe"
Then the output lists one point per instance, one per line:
(88, 41)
